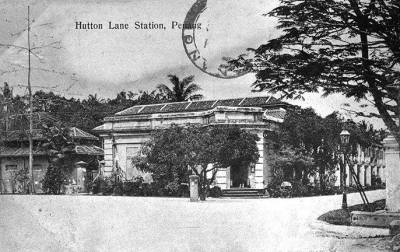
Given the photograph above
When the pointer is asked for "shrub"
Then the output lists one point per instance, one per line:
(103, 186)
(274, 186)
(118, 189)
(215, 192)
(299, 190)
(54, 179)
(184, 190)
(172, 189)
(20, 181)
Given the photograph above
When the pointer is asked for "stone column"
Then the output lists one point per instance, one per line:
(368, 169)
(348, 175)
(383, 174)
(392, 175)
(259, 167)
(361, 175)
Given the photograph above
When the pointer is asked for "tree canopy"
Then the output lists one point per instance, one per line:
(181, 90)
(337, 46)
(309, 144)
(85, 114)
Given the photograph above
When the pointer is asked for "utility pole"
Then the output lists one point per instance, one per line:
(32, 184)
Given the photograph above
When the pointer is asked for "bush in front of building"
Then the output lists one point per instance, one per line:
(57, 175)
(215, 192)
(299, 190)
(102, 186)
(133, 187)
(137, 187)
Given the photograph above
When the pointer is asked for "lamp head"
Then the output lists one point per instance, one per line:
(344, 137)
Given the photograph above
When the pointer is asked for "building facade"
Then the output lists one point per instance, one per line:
(124, 133)
(369, 166)
(14, 155)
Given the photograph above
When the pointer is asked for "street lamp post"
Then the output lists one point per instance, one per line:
(344, 140)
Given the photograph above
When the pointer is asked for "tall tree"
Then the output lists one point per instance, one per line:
(306, 134)
(340, 46)
(181, 90)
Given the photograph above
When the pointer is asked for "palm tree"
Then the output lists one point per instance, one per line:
(182, 90)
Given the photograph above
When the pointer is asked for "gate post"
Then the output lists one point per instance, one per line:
(392, 173)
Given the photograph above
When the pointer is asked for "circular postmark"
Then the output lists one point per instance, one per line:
(195, 51)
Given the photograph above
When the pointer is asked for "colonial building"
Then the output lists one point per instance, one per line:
(369, 166)
(14, 152)
(124, 133)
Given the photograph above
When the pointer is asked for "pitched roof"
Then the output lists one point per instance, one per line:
(77, 133)
(18, 135)
(37, 134)
(277, 115)
(89, 150)
(19, 152)
(24, 151)
(199, 105)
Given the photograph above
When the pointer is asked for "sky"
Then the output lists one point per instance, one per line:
(78, 62)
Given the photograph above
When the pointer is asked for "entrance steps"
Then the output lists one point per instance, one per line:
(242, 193)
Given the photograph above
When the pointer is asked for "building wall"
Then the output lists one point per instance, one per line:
(10, 165)
(257, 172)
(129, 145)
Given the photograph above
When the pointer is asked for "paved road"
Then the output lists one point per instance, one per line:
(100, 223)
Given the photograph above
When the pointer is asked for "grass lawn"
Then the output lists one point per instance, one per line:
(342, 216)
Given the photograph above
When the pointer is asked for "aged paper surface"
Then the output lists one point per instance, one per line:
(101, 47)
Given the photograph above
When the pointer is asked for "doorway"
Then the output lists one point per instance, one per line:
(240, 176)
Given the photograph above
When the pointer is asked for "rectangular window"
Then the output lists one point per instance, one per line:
(11, 167)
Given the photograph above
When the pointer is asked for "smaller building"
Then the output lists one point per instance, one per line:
(14, 153)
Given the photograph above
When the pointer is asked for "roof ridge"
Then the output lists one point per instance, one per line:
(214, 103)
(163, 107)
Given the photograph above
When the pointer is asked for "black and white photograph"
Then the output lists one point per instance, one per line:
(200, 125)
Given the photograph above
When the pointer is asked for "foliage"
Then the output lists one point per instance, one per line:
(215, 192)
(343, 217)
(56, 176)
(136, 187)
(294, 166)
(181, 90)
(299, 189)
(20, 182)
(85, 114)
(304, 135)
(103, 186)
(337, 46)
(59, 148)
(172, 151)
(133, 188)
(274, 184)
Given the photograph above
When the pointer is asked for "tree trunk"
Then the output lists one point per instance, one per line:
(322, 178)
